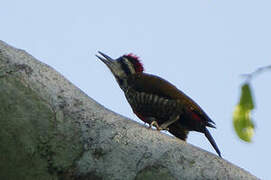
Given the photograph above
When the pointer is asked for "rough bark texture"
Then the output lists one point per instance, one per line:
(49, 129)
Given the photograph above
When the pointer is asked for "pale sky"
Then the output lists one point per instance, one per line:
(200, 46)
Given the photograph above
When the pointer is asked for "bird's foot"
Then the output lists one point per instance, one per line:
(172, 120)
(158, 128)
(152, 122)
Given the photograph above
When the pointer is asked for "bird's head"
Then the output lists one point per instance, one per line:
(123, 66)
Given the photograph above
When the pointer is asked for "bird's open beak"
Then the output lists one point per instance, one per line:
(112, 64)
(106, 59)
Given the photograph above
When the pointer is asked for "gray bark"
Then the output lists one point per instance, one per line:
(50, 129)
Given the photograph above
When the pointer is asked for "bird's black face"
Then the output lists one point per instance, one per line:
(114, 65)
(123, 66)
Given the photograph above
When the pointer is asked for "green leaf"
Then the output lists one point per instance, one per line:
(246, 100)
(243, 125)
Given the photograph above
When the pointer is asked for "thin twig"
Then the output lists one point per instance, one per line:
(260, 70)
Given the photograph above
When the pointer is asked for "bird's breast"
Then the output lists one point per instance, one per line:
(151, 105)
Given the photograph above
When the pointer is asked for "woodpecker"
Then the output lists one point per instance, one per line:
(156, 101)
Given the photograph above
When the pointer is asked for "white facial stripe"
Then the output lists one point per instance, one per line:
(130, 65)
(116, 70)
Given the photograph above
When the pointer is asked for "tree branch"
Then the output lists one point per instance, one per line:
(49, 129)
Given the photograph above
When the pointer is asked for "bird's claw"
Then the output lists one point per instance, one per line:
(163, 127)
(158, 128)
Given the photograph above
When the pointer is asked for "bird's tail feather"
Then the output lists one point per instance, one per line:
(212, 141)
